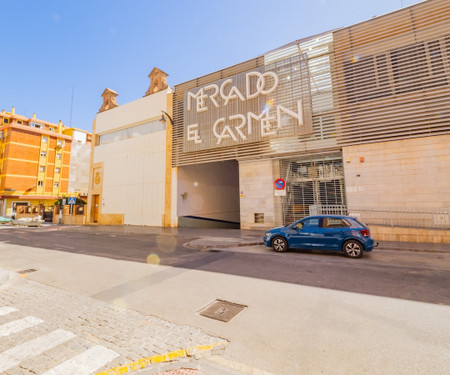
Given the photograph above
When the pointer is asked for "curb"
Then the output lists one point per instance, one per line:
(415, 250)
(218, 246)
(192, 351)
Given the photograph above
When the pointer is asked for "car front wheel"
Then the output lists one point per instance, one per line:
(279, 244)
(353, 249)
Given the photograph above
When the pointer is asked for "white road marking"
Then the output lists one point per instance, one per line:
(85, 363)
(12, 357)
(6, 310)
(19, 325)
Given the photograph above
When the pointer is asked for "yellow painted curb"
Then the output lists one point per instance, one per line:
(146, 361)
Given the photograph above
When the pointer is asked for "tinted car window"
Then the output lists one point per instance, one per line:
(334, 222)
(314, 222)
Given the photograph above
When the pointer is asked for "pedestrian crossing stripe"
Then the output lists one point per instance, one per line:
(6, 310)
(19, 325)
(16, 355)
(85, 363)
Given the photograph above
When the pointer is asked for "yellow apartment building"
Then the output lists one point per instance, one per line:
(34, 162)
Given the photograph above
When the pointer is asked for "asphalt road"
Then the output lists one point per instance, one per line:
(407, 275)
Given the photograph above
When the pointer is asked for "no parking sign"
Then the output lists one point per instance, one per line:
(280, 184)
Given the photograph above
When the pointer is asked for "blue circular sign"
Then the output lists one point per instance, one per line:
(280, 184)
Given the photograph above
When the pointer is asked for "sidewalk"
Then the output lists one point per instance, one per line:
(126, 339)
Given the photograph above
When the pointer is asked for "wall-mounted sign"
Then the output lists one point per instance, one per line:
(279, 184)
(279, 193)
(270, 101)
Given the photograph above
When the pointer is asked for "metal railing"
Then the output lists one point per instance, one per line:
(328, 209)
(396, 217)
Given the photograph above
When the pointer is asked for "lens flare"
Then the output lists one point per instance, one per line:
(195, 184)
(153, 259)
(267, 106)
(356, 58)
(166, 243)
(295, 68)
(120, 303)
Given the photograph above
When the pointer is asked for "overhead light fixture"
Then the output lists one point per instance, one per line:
(163, 118)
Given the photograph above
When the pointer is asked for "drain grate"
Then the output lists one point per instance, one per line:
(27, 271)
(222, 310)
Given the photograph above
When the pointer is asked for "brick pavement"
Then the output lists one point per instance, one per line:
(37, 315)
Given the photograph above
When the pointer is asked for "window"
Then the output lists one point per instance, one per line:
(43, 154)
(56, 185)
(367, 78)
(60, 143)
(40, 183)
(409, 68)
(58, 156)
(131, 132)
(42, 168)
(6, 120)
(44, 139)
(333, 222)
(311, 222)
(51, 129)
(19, 122)
(57, 170)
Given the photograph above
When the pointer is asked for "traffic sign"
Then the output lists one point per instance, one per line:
(72, 200)
(280, 184)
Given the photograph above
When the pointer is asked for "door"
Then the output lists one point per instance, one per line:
(333, 232)
(95, 206)
(312, 181)
(306, 235)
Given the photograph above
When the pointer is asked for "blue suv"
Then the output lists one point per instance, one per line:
(327, 232)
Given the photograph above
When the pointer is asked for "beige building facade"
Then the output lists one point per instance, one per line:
(352, 121)
(130, 179)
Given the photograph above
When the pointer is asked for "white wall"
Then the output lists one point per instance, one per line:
(134, 178)
(148, 107)
(80, 157)
(134, 168)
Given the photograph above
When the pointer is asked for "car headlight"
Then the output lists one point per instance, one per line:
(268, 234)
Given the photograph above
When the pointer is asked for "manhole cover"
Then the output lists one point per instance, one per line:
(27, 271)
(222, 310)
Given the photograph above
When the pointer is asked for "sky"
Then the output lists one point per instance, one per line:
(59, 55)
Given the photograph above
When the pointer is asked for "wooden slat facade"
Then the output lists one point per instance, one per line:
(384, 79)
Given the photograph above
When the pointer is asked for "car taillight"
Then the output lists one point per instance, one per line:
(365, 232)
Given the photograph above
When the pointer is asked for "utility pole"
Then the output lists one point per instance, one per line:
(71, 107)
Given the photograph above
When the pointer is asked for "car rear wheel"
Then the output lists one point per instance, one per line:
(279, 244)
(353, 249)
